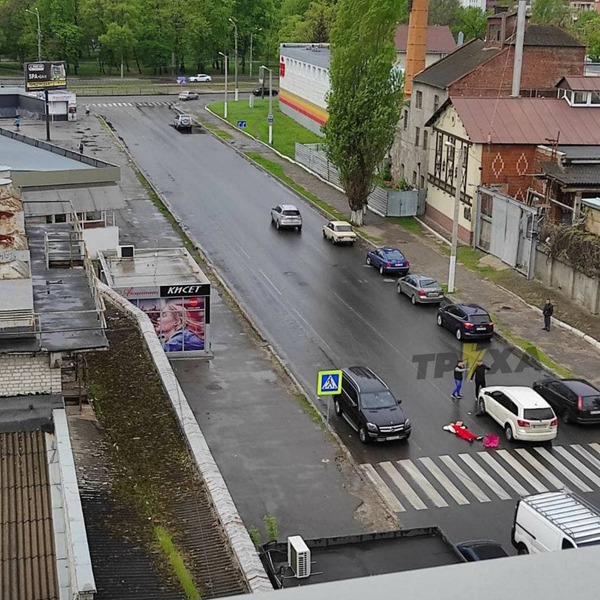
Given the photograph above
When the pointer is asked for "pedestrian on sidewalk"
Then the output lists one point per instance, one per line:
(87, 110)
(459, 371)
(17, 122)
(548, 310)
(478, 376)
(81, 147)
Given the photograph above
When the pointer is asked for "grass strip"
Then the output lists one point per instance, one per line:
(408, 223)
(181, 572)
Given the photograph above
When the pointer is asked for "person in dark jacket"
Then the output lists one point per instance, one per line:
(479, 376)
(548, 310)
(459, 371)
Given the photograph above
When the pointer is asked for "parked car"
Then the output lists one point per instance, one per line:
(520, 411)
(187, 95)
(477, 550)
(286, 216)
(466, 321)
(183, 122)
(200, 78)
(263, 91)
(338, 232)
(388, 260)
(576, 400)
(421, 289)
(370, 408)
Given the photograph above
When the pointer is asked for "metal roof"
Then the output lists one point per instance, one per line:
(439, 39)
(61, 200)
(580, 153)
(457, 64)
(581, 84)
(528, 121)
(547, 35)
(311, 54)
(580, 175)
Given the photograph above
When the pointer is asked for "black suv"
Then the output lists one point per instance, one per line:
(466, 321)
(370, 408)
(263, 91)
(577, 400)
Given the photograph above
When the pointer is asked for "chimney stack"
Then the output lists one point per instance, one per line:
(416, 44)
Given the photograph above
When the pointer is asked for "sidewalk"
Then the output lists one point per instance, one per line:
(502, 291)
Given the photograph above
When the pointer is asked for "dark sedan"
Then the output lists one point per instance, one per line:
(576, 400)
(388, 260)
(466, 321)
(477, 550)
(264, 91)
(421, 289)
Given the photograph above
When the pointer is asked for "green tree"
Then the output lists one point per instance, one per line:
(443, 12)
(472, 21)
(550, 12)
(365, 96)
(313, 26)
(587, 29)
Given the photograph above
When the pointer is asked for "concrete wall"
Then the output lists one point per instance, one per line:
(22, 374)
(101, 238)
(575, 285)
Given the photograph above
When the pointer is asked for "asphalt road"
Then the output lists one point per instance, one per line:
(321, 307)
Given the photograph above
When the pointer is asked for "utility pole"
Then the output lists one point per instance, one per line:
(235, 37)
(39, 30)
(226, 59)
(251, 34)
(459, 184)
(270, 117)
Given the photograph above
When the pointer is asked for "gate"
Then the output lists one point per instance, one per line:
(506, 228)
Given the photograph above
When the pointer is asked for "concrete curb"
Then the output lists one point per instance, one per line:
(237, 534)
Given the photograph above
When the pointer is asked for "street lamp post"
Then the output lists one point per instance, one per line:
(459, 184)
(270, 117)
(251, 34)
(235, 37)
(39, 30)
(226, 66)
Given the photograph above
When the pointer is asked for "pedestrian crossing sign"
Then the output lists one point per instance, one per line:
(329, 383)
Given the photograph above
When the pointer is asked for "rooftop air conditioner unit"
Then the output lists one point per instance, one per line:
(298, 556)
(126, 251)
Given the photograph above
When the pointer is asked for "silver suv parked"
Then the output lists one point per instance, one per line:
(286, 216)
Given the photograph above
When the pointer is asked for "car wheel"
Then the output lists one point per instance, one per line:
(352, 243)
(413, 299)
(522, 549)
(381, 271)
(480, 407)
(508, 432)
(299, 229)
(277, 225)
(399, 289)
(324, 236)
(337, 407)
(368, 261)
(567, 417)
(363, 436)
(333, 240)
(272, 220)
(459, 334)
(440, 322)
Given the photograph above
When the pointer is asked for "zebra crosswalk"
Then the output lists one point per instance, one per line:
(445, 481)
(135, 104)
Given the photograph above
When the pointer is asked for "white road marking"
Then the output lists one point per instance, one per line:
(586, 454)
(578, 465)
(508, 478)
(484, 476)
(403, 485)
(382, 488)
(564, 470)
(540, 468)
(521, 470)
(443, 480)
(595, 446)
(423, 483)
(465, 479)
(272, 284)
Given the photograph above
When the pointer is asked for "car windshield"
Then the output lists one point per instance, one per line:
(591, 402)
(376, 400)
(394, 254)
(479, 319)
(538, 414)
(291, 213)
(343, 228)
(429, 283)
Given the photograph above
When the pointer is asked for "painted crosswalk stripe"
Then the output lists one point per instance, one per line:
(563, 469)
(423, 483)
(441, 477)
(586, 454)
(578, 465)
(485, 476)
(522, 471)
(508, 478)
(595, 446)
(540, 468)
(465, 479)
(382, 488)
(403, 485)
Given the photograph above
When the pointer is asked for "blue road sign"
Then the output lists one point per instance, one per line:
(270, 119)
(329, 383)
(241, 124)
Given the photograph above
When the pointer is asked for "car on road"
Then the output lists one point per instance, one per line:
(263, 91)
(520, 411)
(339, 232)
(286, 216)
(370, 408)
(476, 550)
(421, 289)
(575, 400)
(187, 95)
(200, 78)
(183, 122)
(466, 321)
(388, 260)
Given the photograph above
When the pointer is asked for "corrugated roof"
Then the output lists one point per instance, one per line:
(528, 121)
(584, 175)
(457, 64)
(27, 558)
(580, 153)
(582, 84)
(547, 35)
(439, 39)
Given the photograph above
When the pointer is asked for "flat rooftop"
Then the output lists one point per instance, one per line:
(311, 54)
(152, 268)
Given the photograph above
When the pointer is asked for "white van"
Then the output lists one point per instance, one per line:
(555, 521)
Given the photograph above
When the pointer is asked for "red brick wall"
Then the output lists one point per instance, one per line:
(509, 166)
(542, 68)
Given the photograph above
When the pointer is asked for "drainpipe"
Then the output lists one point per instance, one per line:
(518, 64)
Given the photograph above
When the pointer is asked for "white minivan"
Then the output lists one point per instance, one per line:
(554, 521)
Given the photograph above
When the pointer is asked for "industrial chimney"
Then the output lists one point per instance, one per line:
(416, 44)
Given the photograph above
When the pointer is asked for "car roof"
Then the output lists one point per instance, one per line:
(522, 395)
(419, 277)
(389, 249)
(340, 223)
(580, 386)
(288, 207)
(365, 379)
(472, 309)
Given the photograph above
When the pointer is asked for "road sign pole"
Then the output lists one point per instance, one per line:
(271, 107)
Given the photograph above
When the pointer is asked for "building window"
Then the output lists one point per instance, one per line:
(425, 139)
(414, 179)
(417, 136)
(422, 181)
(402, 171)
(436, 102)
(405, 124)
(419, 100)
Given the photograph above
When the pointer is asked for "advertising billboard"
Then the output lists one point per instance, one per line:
(45, 75)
